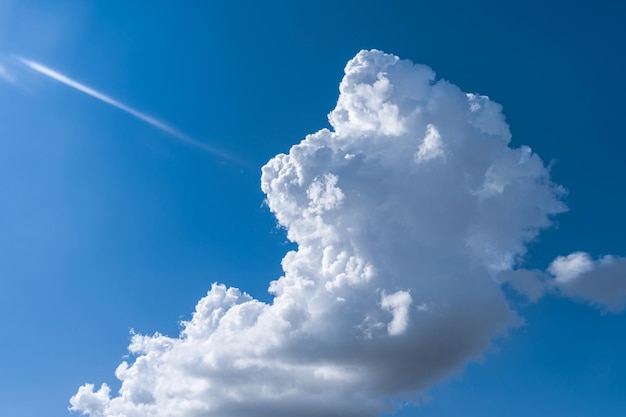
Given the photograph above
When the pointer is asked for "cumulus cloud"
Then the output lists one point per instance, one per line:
(404, 213)
(600, 282)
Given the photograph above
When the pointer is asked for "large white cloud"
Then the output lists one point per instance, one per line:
(404, 215)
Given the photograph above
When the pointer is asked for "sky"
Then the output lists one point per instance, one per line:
(334, 208)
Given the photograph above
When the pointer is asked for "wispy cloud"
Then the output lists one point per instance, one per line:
(42, 69)
(5, 75)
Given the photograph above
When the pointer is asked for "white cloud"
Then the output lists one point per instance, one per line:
(392, 286)
(570, 267)
(601, 282)
(92, 402)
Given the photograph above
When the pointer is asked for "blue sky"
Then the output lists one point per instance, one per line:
(109, 224)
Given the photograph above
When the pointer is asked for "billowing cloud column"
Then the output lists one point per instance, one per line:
(404, 213)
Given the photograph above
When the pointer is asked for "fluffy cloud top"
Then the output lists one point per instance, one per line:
(404, 214)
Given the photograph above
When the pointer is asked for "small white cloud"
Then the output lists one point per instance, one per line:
(601, 282)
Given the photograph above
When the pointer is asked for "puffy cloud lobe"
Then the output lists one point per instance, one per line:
(431, 147)
(568, 268)
(601, 282)
(90, 402)
(398, 304)
(403, 214)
